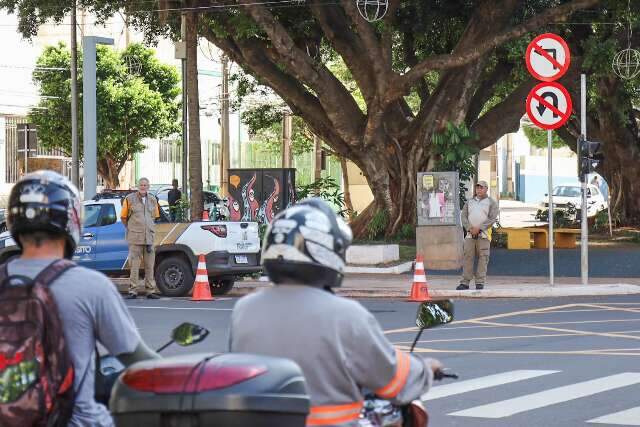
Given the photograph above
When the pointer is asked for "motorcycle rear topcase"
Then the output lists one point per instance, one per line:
(275, 397)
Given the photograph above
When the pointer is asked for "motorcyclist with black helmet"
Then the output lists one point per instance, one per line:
(339, 345)
(44, 218)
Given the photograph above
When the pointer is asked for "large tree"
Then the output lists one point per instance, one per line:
(426, 64)
(136, 100)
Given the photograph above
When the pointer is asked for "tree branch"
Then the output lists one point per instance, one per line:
(487, 89)
(333, 23)
(252, 54)
(336, 100)
(503, 118)
(404, 83)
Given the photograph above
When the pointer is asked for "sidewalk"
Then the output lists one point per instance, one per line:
(399, 286)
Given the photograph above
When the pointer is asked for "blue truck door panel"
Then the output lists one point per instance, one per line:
(112, 248)
(85, 254)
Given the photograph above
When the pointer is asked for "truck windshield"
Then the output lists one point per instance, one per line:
(566, 191)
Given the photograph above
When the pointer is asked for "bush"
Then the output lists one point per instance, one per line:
(562, 218)
(377, 225)
(406, 232)
(602, 221)
(328, 190)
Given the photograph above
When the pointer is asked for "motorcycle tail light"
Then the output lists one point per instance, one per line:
(192, 378)
(218, 230)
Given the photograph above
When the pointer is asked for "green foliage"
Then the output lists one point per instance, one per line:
(455, 154)
(601, 222)
(181, 210)
(326, 189)
(538, 138)
(406, 232)
(131, 107)
(562, 218)
(377, 225)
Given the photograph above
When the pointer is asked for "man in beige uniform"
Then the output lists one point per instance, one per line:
(139, 212)
(478, 215)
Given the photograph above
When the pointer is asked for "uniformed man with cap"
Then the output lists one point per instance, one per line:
(478, 216)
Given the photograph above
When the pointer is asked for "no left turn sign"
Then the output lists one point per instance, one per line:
(549, 105)
(548, 57)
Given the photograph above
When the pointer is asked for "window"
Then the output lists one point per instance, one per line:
(91, 215)
(108, 215)
(595, 191)
(169, 151)
(567, 191)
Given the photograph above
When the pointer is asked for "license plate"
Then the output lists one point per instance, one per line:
(241, 259)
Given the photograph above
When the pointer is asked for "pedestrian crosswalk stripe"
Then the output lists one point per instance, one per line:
(460, 387)
(630, 417)
(549, 397)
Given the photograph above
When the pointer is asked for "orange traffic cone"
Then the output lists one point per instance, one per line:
(205, 215)
(420, 287)
(201, 289)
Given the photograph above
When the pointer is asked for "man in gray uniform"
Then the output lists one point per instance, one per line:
(338, 344)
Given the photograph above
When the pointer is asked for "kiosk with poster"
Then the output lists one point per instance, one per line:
(439, 232)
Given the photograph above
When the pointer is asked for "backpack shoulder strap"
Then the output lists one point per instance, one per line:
(53, 271)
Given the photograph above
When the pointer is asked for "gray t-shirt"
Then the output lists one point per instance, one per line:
(91, 310)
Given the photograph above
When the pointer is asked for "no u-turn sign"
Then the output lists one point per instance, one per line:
(548, 104)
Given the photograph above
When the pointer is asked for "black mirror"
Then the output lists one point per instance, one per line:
(436, 313)
(188, 334)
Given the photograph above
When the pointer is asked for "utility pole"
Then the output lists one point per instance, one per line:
(89, 113)
(287, 124)
(317, 143)
(75, 147)
(584, 241)
(181, 53)
(225, 155)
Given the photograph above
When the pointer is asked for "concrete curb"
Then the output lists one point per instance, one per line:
(533, 291)
(396, 269)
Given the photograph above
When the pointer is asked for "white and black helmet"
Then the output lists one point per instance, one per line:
(45, 201)
(306, 244)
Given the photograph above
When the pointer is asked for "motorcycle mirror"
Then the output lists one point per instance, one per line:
(436, 313)
(188, 334)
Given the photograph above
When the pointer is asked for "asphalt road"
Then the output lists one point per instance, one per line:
(603, 262)
(552, 362)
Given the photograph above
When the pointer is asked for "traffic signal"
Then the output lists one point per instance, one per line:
(589, 156)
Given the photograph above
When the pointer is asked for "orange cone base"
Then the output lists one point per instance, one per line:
(419, 292)
(201, 292)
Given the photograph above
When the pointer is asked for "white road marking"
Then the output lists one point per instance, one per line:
(482, 383)
(177, 308)
(549, 397)
(630, 417)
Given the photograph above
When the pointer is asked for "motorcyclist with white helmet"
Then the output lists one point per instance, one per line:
(339, 345)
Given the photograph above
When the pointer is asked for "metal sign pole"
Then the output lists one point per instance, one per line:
(584, 242)
(550, 158)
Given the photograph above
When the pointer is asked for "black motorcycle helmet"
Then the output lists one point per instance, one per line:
(45, 201)
(306, 244)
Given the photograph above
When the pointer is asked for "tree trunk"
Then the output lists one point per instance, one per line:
(109, 171)
(345, 180)
(621, 146)
(195, 160)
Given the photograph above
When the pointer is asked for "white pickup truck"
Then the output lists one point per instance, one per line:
(231, 249)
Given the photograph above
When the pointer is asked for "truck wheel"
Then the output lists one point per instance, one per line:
(174, 277)
(221, 286)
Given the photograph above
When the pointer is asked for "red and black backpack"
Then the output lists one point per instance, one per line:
(36, 372)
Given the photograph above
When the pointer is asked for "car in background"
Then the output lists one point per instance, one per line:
(571, 195)
(211, 200)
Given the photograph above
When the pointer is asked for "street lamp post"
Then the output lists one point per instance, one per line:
(89, 113)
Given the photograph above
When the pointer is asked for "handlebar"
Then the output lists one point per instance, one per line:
(440, 375)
